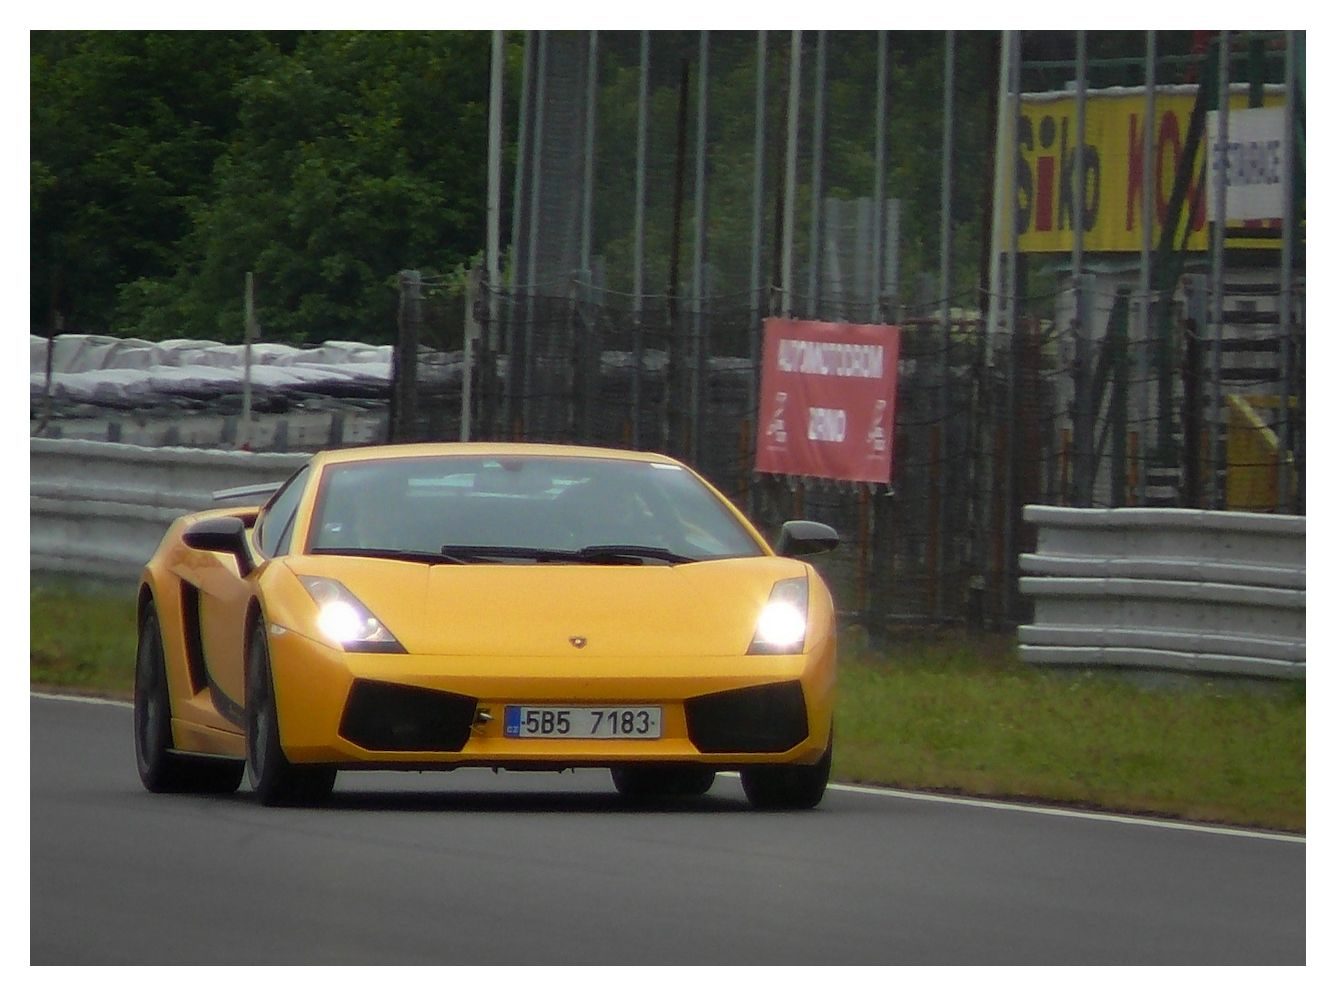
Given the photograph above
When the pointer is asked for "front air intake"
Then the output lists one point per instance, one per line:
(383, 716)
(765, 719)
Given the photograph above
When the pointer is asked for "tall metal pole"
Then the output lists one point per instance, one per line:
(818, 157)
(1220, 158)
(879, 183)
(1013, 226)
(791, 169)
(1084, 434)
(493, 275)
(591, 125)
(699, 385)
(1003, 292)
(535, 207)
(1288, 354)
(494, 150)
(587, 351)
(517, 216)
(758, 197)
(638, 277)
(1149, 180)
(944, 288)
(1003, 169)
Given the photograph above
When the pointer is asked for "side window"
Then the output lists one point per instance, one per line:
(275, 529)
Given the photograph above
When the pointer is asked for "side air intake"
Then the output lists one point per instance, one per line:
(763, 719)
(383, 716)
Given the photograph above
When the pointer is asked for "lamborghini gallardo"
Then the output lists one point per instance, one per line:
(510, 606)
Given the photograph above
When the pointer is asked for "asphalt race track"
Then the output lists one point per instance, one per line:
(482, 869)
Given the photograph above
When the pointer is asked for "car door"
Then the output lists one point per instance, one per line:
(223, 596)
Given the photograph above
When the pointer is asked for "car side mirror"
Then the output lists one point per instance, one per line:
(222, 535)
(800, 538)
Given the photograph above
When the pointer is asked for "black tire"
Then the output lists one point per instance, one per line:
(650, 780)
(161, 769)
(275, 780)
(788, 786)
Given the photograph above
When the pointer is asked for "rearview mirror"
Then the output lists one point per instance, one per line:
(800, 538)
(222, 535)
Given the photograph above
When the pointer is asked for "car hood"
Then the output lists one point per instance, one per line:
(537, 610)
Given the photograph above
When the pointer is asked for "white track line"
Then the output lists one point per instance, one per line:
(951, 800)
(86, 699)
(1079, 814)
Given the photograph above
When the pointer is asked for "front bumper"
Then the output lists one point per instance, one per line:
(419, 711)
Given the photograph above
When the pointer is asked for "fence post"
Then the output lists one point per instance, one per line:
(472, 335)
(251, 333)
(1115, 345)
(1214, 491)
(1192, 399)
(1010, 513)
(1083, 422)
(403, 397)
(58, 326)
(944, 289)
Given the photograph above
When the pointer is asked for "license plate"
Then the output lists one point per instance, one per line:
(630, 722)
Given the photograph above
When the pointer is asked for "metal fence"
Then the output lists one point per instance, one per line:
(980, 433)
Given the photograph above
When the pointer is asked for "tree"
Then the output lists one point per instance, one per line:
(360, 155)
(125, 129)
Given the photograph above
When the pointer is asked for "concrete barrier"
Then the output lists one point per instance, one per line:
(1171, 589)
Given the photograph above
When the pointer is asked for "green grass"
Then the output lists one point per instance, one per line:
(82, 637)
(961, 714)
(942, 711)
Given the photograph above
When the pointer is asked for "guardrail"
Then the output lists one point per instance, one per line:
(1215, 592)
(1168, 589)
(100, 509)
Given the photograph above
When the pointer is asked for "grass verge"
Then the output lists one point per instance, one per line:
(82, 636)
(939, 711)
(961, 714)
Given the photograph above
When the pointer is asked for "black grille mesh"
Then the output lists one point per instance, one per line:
(383, 716)
(762, 719)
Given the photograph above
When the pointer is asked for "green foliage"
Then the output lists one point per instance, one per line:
(332, 161)
(166, 165)
(125, 129)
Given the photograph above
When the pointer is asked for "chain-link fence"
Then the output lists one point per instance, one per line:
(669, 190)
(980, 432)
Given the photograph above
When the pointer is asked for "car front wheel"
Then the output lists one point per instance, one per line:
(788, 786)
(275, 780)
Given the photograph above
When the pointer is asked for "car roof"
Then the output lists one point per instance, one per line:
(420, 450)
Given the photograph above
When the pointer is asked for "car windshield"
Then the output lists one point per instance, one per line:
(534, 509)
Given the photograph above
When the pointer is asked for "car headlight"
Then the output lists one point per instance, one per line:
(782, 625)
(342, 618)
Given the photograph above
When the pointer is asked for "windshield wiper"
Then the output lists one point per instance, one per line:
(613, 553)
(411, 556)
(601, 553)
(491, 554)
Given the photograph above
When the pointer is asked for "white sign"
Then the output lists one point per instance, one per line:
(1257, 160)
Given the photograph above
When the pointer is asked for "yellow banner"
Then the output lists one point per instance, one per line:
(1113, 168)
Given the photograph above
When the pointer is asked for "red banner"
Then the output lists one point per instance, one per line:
(827, 400)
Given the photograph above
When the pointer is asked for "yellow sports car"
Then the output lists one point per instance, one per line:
(509, 606)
